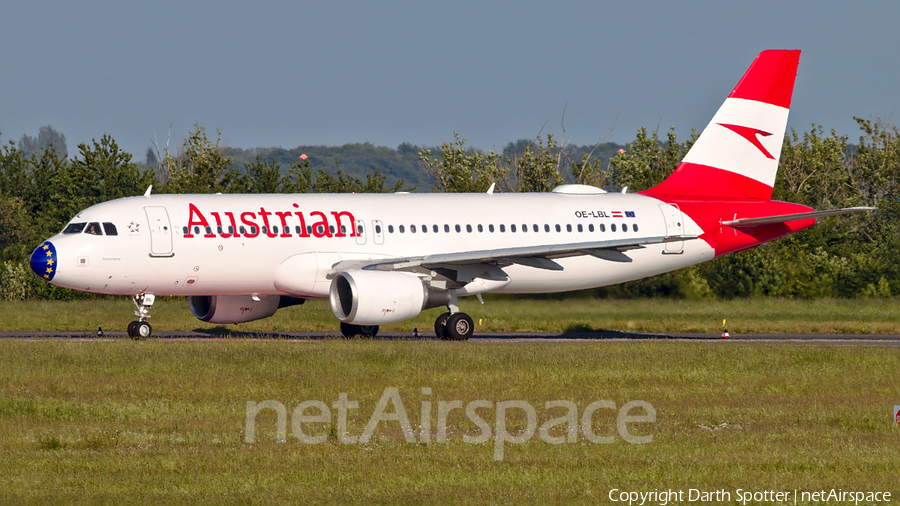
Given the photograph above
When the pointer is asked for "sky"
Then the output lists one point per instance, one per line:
(288, 73)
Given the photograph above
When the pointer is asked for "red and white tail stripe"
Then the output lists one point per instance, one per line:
(736, 156)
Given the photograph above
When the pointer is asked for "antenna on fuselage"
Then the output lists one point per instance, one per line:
(149, 189)
(491, 189)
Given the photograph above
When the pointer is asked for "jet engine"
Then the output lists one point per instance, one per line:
(238, 308)
(363, 297)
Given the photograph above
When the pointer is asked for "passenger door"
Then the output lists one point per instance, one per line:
(160, 231)
(674, 228)
(378, 231)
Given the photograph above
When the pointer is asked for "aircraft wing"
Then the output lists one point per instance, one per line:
(540, 257)
(750, 222)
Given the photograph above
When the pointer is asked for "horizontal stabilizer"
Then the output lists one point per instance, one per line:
(750, 222)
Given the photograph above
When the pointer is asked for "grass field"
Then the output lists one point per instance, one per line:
(501, 314)
(163, 422)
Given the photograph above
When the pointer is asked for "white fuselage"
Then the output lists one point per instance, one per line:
(162, 246)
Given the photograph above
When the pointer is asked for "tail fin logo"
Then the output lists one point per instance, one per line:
(751, 135)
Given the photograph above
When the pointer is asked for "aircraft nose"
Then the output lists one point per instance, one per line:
(43, 261)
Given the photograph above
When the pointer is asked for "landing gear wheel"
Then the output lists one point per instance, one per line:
(139, 330)
(351, 330)
(143, 330)
(440, 326)
(459, 327)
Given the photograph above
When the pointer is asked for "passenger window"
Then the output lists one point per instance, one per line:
(424, 229)
(231, 229)
(331, 229)
(546, 227)
(603, 228)
(243, 230)
(624, 227)
(296, 230)
(390, 229)
(343, 229)
(502, 228)
(434, 229)
(591, 227)
(265, 230)
(458, 230)
(184, 230)
(109, 229)
(359, 229)
(558, 229)
(480, 228)
(208, 230)
(535, 227)
(569, 228)
(412, 229)
(196, 230)
(74, 228)
(612, 227)
(253, 229)
(446, 228)
(512, 228)
(469, 228)
(219, 230)
(309, 230)
(275, 230)
(634, 227)
(580, 228)
(402, 229)
(377, 229)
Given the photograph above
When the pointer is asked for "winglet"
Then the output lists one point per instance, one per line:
(149, 189)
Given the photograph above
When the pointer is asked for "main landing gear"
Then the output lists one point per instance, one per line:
(141, 329)
(453, 325)
(351, 330)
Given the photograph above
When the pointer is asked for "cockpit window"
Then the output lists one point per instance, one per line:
(74, 228)
(110, 229)
(93, 229)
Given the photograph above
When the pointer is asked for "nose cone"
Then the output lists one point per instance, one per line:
(43, 261)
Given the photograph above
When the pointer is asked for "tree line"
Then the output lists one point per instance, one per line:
(856, 255)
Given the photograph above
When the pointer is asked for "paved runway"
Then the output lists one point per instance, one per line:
(888, 340)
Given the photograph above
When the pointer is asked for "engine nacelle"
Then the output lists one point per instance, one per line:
(376, 297)
(238, 308)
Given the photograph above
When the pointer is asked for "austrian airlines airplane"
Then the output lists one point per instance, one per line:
(384, 258)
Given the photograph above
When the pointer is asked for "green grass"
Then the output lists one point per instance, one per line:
(163, 421)
(501, 314)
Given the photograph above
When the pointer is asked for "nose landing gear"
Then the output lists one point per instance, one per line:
(141, 329)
